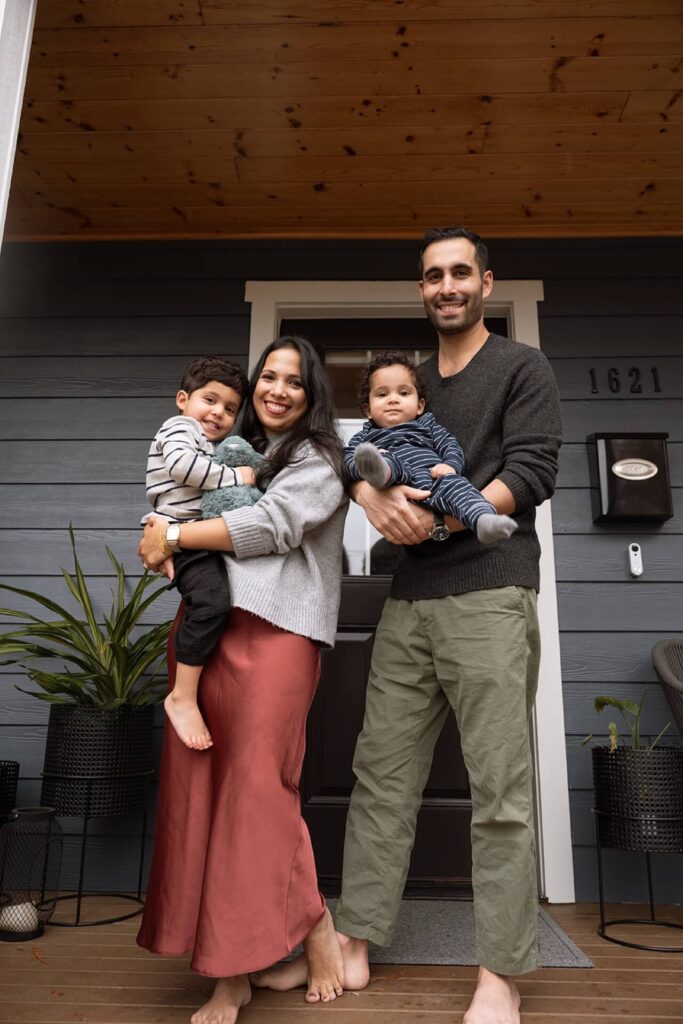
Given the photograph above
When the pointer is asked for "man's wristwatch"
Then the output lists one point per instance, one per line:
(439, 530)
(173, 537)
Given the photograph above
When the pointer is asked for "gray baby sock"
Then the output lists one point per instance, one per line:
(371, 466)
(492, 527)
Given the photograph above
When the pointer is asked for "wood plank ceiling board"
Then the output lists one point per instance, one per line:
(350, 118)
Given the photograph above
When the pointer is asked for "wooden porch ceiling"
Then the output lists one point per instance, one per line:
(351, 118)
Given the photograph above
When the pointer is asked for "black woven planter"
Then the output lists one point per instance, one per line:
(9, 776)
(97, 761)
(639, 798)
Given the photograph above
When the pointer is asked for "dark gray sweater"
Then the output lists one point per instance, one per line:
(504, 409)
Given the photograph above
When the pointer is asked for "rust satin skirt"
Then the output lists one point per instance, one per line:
(233, 877)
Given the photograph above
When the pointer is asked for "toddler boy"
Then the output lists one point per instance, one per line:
(402, 444)
(180, 468)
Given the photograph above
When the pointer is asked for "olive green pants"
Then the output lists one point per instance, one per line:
(478, 653)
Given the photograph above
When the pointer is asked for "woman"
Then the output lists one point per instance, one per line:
(233, 877)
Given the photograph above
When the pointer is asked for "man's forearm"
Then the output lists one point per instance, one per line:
(500, 496)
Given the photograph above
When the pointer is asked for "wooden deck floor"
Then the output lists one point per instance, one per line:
(99, 976)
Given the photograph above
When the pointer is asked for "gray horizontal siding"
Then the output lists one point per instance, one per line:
(609, 621)
(599, 558)
(78, 337)
(581, 417)
(93, 339)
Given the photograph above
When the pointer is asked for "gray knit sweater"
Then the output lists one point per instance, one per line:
(288, 549)
(504, 408)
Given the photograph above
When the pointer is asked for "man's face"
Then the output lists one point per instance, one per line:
(452, 287)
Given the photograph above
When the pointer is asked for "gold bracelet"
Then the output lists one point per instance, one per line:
(163, 547)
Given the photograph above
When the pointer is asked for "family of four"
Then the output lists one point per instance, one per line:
(233, 878)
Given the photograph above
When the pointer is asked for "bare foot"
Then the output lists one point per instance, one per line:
(282, 977)
(230, 995)
(495, 1001)
(356, 966)
(186, 719)
(325, 962)
(294, 973)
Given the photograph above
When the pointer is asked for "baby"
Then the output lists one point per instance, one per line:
(403, 444)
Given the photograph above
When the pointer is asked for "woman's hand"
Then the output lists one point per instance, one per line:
(167, 569)
(153, 550)
(394, 513)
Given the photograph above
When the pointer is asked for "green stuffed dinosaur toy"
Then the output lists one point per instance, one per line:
(233, 451)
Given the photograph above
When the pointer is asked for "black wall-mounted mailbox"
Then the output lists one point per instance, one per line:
(629, 478)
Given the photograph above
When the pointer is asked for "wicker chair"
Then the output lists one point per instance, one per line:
(667, 658)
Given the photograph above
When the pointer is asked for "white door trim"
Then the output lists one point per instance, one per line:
(273, 301)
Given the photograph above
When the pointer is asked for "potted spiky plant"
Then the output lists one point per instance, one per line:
(102, 681)
(638, 785)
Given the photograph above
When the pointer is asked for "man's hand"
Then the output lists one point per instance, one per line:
(393, 513)
(441, 469)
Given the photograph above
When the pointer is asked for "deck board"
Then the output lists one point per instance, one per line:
(99, 976)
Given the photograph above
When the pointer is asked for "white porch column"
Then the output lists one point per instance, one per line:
(16, 32)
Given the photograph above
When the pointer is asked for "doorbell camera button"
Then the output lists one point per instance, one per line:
(635, 559)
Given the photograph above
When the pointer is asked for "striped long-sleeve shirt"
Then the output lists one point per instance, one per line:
(180, 467)
(424, 441)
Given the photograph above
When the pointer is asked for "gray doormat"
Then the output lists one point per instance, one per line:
(442, 932)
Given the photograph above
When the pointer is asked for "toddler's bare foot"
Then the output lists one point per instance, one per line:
(495, 1001)
(230, 995)
(492, 527)
(186, 718)
(325, 962)
(371, 466)
(356, 966)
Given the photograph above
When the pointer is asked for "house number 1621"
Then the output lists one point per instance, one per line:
(634, 381)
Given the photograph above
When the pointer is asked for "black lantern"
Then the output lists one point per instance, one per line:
(30, 861)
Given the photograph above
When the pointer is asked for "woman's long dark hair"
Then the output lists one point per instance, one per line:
(317, 425)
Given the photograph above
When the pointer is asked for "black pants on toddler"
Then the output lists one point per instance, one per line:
(202, 581)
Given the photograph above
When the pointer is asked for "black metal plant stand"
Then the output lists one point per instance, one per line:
(652, 920)
(85, 814)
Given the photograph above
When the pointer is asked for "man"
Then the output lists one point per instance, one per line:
(459, 630)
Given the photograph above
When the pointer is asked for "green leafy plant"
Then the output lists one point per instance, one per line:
(631, 714)
(103, 664)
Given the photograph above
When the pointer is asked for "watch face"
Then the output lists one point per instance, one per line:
(440, 532)
(173, 532)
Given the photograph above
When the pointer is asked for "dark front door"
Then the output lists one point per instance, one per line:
(442, 855)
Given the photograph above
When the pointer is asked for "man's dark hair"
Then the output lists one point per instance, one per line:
(481, 253)
(207, 368)
(380, 362)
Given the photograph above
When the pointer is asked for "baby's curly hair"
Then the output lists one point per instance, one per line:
(382, 360)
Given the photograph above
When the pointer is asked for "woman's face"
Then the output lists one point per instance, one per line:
(279, 399)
